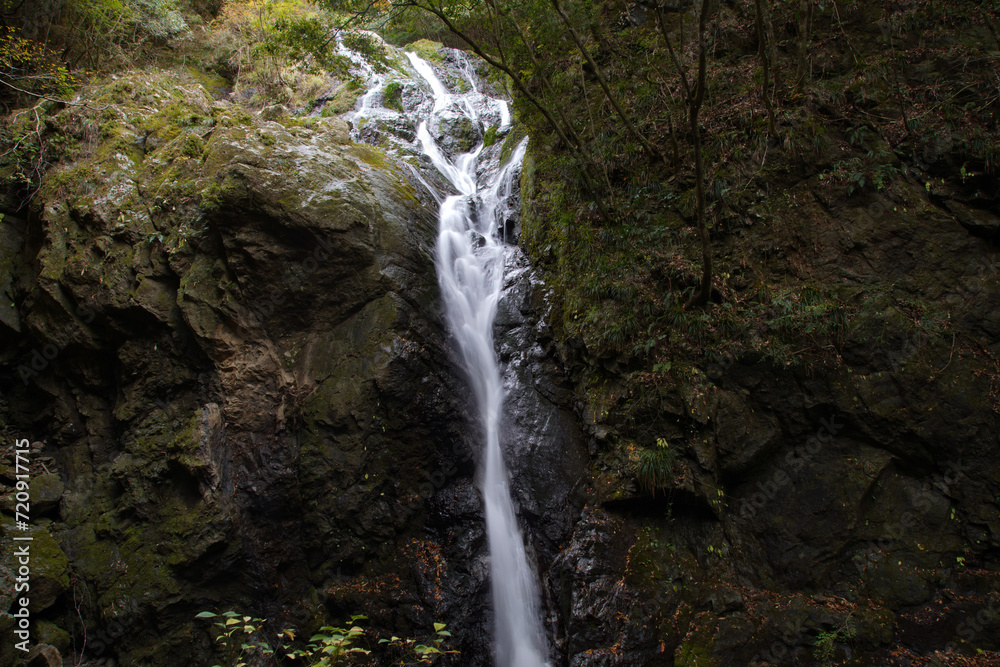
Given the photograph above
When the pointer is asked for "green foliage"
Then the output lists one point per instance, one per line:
(392, 96)
(411, 651)
(984, 146)
(108, 32)
(655, 466)
(826, 641)
(331, 646)
(279, 50)
(26, 66)
(369, 47)
(490, 137)
(879, 167)
(405, 25)
(426, 49)
(238, 636)
(806, 313)
(26, 152)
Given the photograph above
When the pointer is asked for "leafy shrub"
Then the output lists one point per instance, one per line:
(26, 65)
(369, 47)
(279, 50)
(110, 32)
(330, 646)
(239, 637)
(236, 636)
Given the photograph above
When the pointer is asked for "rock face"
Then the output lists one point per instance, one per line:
(840, 510)
(225, 330)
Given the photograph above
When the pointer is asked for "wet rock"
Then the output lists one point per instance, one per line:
(456, 133)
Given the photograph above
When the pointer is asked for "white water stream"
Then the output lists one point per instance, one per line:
(470, 265)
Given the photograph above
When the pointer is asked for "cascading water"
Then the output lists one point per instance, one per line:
(470, 263)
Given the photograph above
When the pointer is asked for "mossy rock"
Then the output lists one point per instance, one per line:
(49, 633)
(696, 649)
(344, 99)
(510, 142)
(426, 49)
(392, 96)
(490, 136)
(49, 565)
(46, 492)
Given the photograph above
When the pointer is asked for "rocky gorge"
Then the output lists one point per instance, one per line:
(222, 332)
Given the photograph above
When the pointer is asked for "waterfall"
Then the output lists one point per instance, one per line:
(470, 264)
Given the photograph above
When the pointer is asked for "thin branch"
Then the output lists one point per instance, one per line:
(650, 149)
(83, 105)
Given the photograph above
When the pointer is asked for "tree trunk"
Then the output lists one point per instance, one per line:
(804, 37)
(702, 296)
(764, 54)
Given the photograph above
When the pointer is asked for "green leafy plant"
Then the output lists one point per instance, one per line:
(826, 641)
(330, 646)
(239, 637)
(655, 466)
(392, 96)
(279, 50)
(114, 31)
(425, 653)
(240, 640)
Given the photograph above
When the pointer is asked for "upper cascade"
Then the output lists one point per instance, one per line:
(459, 106)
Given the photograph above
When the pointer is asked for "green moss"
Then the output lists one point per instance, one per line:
(490, 137)
(426, 49)
(370, 155)
(696, 650)
(510, 142)
(210, 81)
(185, 144)
(267, 138)
(392, 96)
(344, 99)
(48, 559)
(219, 191)
(49, 633)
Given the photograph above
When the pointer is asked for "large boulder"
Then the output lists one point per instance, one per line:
(226, 331)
